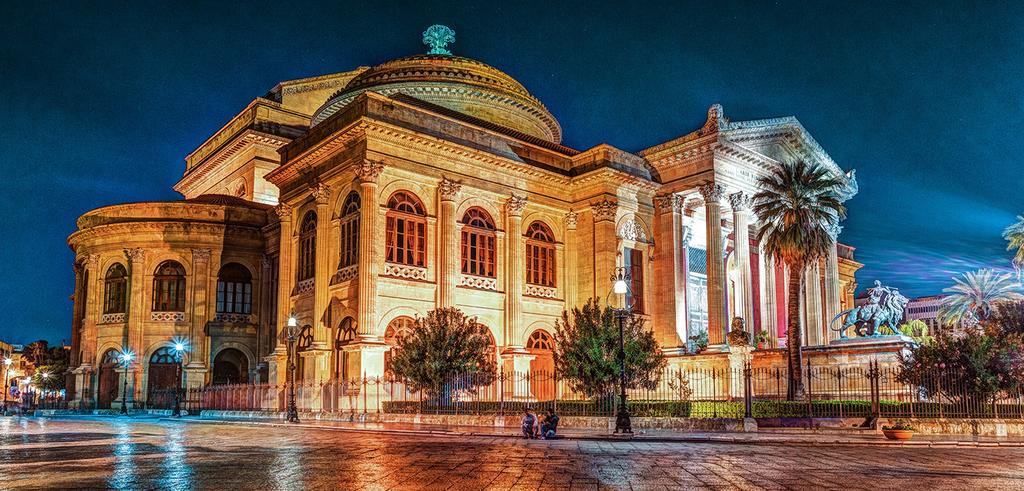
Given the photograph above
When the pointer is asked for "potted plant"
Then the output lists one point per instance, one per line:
(762, 339)
(899, 430)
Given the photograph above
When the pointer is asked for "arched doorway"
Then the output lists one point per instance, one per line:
(110, 379)
(163, 376)
(346, 333)
(541, 345)
(230, 366)
(398, 328)
(303, 343)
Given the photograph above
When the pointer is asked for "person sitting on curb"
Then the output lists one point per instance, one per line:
(529, 424)
(549, 426)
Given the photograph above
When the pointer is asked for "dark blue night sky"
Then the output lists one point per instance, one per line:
(99, 104)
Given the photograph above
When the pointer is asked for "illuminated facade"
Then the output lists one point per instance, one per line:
(360, 200)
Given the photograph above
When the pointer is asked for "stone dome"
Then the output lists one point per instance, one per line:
(453, 82)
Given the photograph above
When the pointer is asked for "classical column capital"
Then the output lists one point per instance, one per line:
(321, 193)
(712, 193)
(515, 205)
(91, 260)
(834, 230)
(739, 201)
(284, 212)
(571, 219)
(604, 209)
(671, 203)
(368, 170)
(201, 255)
(135, 255)
(265, 262)
(449, 188)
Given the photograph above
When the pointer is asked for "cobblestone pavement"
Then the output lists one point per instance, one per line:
(150, 454)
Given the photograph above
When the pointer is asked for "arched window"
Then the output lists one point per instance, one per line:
(540, 340)
(345, 335)
(540, 255)
(400, 327)
(169, 288)
(349, 231)
(406, 230)
(115, 285)
(234, 290)
(307, 247)
(165, 355)
(478, 241)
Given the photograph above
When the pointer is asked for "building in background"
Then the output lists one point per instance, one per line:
(359, 200)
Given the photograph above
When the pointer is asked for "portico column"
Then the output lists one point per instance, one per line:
(93, 308)
(284, 275)
(514, 273)
(197, 334)
(769, 312)
(136, 258)
(832, 286)
(322, 271)
(740, 203)
(713, 194)
(812, 305)
(670, 295)
(367, 353)
(447, 250)
(571, 278)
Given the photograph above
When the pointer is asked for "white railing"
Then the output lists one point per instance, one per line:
(479, 282)
(404, 271)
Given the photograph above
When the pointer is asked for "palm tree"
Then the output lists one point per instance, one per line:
(1014, 234)
(975, 294)
(799, 205)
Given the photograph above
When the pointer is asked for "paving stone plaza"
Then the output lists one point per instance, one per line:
(157, 454)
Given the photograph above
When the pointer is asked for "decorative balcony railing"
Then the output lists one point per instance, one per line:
(404, 271)
(305, 286)
(345, 274)
(167, 316)
(479, 282)
(115, 318)
(233, 318)
(540, 291)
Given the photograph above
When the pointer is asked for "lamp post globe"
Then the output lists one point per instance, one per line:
(179, 353)
(622, 304)
(126, 360)
(293, 333)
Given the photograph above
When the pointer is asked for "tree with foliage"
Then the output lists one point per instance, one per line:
(587, 347)
(1007, 318)
(799, 206)
(974, 296)
(915, 329)
(966, 369)
(447, 351)
(1014, 235)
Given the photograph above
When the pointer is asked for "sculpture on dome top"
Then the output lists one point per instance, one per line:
(438, 37)
(885, 307)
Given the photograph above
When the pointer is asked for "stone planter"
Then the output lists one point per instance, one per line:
(898, 434)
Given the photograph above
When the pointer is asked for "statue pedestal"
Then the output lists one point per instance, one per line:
(867, 341)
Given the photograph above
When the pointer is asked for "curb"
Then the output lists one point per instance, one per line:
(610, 438)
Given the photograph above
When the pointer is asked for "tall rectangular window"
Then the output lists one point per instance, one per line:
(634, 262)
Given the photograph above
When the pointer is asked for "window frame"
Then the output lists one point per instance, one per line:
(115, 290)
(478, 244)
(541, 256)
(169, 289)
(240, 291)
(403, 217)
(348, 247)
(306, 267)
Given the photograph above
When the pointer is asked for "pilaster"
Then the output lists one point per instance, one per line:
(368, 172)
(200, 301)
(136, 306)
(447, 250)
(571, 277)
(322, 274)
(284, 273)
(605, 245)
(670, 295)
(514, 273)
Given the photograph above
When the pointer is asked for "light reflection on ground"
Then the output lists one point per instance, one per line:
(121, 453)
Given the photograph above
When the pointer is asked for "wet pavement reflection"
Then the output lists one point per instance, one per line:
(122, 453)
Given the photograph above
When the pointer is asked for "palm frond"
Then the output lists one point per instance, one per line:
(975, 294)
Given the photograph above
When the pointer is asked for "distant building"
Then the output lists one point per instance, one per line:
(925, 309)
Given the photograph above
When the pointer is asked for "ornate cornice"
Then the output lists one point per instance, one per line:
(321, 193)
(368, 170)
(604, 209)
(515, 205)
(571, 220)
(135, 255)
(712, 192)
(449, 189)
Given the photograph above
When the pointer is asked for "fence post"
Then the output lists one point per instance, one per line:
(501, 392)
(748, 393)
(839, 383)
(809, 383)
(874, 374)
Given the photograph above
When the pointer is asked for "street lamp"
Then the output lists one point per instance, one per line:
(293, 332)
(126, 359)
(7, 371)
(179, 355)
(622, 293)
